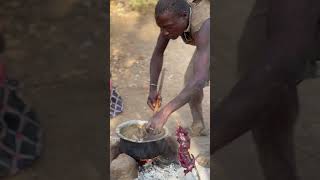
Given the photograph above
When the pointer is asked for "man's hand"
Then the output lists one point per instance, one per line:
(153, 98)
(156, 123)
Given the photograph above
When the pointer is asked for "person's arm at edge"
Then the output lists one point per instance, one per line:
(290, 33)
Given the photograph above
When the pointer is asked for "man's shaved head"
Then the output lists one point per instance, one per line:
(178, 7)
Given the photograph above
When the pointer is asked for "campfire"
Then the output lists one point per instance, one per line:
(158, 157)
(160, 168)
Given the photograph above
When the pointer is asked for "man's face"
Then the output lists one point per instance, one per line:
(172, 25)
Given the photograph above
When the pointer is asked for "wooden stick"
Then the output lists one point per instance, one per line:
(158, 101)
(197, 172)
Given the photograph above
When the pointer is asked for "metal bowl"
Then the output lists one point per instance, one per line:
(147, 149)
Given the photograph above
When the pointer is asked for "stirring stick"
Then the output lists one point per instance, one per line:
(158, 100)
(197, 172)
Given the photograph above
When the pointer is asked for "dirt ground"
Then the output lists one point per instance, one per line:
(133, 37)
(57, 49)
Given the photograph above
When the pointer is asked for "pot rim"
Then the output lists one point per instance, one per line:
(140, 122)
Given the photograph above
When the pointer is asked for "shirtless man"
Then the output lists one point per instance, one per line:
(190, 20)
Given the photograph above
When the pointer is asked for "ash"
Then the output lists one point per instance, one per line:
(171, 172)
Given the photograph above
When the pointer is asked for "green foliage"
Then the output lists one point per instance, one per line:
(142, 5)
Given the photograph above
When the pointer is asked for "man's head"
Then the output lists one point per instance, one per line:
(172, 16)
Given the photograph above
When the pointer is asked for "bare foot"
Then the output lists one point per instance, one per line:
(197, 129)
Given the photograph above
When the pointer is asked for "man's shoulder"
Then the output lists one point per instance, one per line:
(200, 13)
(203, 33)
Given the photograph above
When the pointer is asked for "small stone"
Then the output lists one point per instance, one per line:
(203, 160)
(129, 63)
(124, 167)
(114, 149)
(132, 85)
(170, 77)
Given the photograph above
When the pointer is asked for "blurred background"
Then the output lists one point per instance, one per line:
(239, 159)
(57, 50)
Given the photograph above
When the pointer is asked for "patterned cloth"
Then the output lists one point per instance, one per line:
(20, 132)
(116, 105)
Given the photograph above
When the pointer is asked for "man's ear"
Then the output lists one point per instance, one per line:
(185, 13)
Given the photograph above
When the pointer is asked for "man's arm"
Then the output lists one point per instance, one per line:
(157, 60)
(155, 69)
(290, 38)
(201, 70)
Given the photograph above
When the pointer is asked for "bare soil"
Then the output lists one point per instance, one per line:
(56, 49)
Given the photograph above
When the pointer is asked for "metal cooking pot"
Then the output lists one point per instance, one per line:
(141, 149)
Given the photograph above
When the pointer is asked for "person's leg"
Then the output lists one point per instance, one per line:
(195, 104)
(250, 48)
(274, 139)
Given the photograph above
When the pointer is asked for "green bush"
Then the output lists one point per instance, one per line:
(142, 4)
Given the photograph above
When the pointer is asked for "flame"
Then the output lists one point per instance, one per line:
(145, 161)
